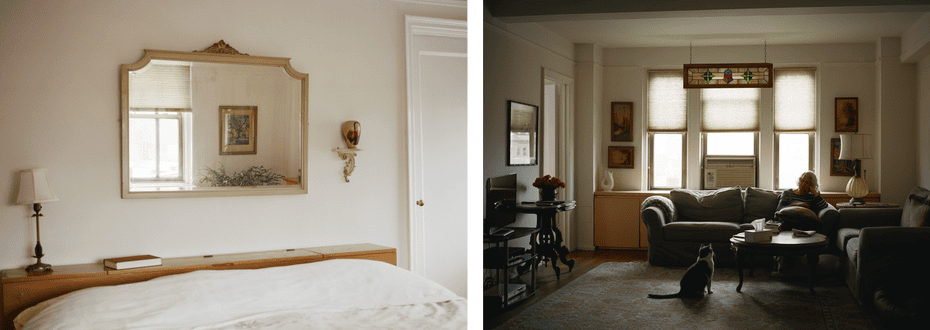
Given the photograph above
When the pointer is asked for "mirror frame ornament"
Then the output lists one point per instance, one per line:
(220, 52)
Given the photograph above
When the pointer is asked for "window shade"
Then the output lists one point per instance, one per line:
(160, 86)
(667, 102)
(795, 101)
(730, 109)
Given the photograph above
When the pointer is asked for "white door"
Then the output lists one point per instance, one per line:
(437, 112)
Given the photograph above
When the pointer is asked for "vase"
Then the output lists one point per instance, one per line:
(607, 184)
(547, 194)
(350, 132)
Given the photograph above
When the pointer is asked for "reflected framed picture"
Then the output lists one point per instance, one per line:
(621, 121)
(238, 130)
(840, 167)
(847, 114)
(522, 133)
(620, 157)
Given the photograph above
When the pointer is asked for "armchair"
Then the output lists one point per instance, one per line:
(884, 246)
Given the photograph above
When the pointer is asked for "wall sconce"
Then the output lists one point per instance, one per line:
(856, 147)
(34, 189)
(351, 131)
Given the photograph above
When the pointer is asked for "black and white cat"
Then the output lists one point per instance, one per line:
(697, 277)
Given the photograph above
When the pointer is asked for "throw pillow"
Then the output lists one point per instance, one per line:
(798, 217)
(760, 203)
(722, 205)
(916, 209)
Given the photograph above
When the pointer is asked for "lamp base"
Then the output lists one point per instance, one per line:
(39, 268)
(856, 201)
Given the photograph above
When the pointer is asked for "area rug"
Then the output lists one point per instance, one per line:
(613, 296)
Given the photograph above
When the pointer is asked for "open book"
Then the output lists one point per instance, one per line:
(803, 233)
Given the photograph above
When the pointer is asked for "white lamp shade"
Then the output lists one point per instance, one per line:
(855, 146)
(34, 188)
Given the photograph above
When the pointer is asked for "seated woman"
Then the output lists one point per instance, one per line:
(798, 208)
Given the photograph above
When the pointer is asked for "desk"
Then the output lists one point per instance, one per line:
(549, 239)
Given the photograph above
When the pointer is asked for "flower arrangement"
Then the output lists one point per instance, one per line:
(548, 181)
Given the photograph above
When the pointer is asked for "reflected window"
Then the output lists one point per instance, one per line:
(156, 144)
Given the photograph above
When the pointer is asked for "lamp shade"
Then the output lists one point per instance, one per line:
(855, 146)
(34, 188)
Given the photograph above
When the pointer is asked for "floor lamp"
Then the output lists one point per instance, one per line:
(34, 189)
(856, 147)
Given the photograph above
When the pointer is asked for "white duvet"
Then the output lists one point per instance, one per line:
(334, 294)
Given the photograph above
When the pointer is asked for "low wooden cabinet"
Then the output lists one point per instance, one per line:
(616, 220)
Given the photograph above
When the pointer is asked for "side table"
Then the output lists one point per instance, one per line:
(866, 206)
(549, 239)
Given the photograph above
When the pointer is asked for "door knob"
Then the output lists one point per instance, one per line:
(420, 202)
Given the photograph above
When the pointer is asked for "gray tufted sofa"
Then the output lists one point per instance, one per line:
(676, 226)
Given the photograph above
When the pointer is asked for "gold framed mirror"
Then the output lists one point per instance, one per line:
(173, 145)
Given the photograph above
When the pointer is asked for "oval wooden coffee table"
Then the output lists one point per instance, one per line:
(783, 244)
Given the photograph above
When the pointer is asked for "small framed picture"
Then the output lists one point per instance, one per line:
(620, 157)
(621, 121)
(238, 130)
(847, 114)
(840, 167)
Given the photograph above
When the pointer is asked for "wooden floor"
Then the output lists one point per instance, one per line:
(547, 284)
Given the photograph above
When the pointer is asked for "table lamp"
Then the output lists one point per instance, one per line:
(34, 189)
(856, 147)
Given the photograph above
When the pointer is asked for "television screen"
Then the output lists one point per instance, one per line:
(498, 189)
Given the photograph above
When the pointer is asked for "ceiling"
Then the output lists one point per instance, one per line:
(665, 23)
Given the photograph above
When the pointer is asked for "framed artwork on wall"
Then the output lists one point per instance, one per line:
(847, 114)
(522, 133)
(238, 130)
(620, 157)
(840, 167)
(621, 121)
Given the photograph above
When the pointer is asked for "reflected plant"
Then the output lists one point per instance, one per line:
(252, 176)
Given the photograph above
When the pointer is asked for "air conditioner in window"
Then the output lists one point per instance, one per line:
(722, 172)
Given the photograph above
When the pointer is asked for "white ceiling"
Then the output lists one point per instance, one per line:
(731, 27)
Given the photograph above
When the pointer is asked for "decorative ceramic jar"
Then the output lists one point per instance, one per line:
(607, 184)
(350, 132)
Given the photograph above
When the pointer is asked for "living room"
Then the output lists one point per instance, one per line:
(876, 55)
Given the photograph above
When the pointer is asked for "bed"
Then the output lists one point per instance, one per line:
(312, 291)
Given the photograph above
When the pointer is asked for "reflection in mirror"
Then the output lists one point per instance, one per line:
(175, 145)
(522, 131)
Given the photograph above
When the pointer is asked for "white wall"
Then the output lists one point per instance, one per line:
(895, 113)
(844, 70)
(923, 122)
(514, 58)
(60, 109)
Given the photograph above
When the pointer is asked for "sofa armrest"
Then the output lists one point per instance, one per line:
(829, 217)
(654, 219)
(861, 218)
(891, 254)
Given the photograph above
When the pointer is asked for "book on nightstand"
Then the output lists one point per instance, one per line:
(132, 262)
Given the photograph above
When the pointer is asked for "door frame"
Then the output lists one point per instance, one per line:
(565, 145)
(433, 27)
